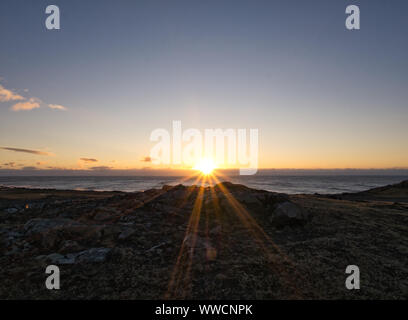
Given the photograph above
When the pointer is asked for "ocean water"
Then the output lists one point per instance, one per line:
(277, 183)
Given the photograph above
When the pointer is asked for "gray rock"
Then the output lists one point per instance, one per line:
(248, 198)
(105, 214)
(287, 213)
(58, 259)
(41, 225)
(216, 231)
(126, 234)
(192, 241)
(70, 246)
(92, 255)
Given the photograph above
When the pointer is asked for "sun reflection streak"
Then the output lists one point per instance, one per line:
(279, 262)
(263, 239)
(186, 257)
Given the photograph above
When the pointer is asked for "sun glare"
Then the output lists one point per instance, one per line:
(206, 166)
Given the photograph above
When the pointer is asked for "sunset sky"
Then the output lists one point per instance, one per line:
(89, 95)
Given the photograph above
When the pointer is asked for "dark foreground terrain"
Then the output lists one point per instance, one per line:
(224, 242)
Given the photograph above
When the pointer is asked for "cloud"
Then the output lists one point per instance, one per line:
(57, 107)
(88, 159)
(29, 168)
(31, 104)
(40, 153)
(100, 168)
(146, 159)
(8, 95)
(9, 164)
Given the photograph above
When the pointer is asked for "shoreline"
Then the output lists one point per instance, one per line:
(29, 189)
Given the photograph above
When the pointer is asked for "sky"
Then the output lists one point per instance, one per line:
(88, 96)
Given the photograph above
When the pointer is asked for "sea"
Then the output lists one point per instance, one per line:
(291, 184)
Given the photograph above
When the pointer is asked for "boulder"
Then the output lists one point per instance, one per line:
(86, 256)
(70, 246)
(58, 259)
(105, 214)
(92, 255)
(287, 213)
(126, 233)
(196, 242)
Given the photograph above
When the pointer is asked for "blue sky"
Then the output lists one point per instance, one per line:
(321, 96)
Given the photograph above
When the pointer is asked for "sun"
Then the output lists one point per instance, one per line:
(206, 166)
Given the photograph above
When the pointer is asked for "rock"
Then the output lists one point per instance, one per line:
(272, 199)
(156, 247)
(196, 242)
(11, 210)
(50, 240)
(175, 194)
(216, 231)
(287, 213)
(248, 198)
(220, 277)
(118, 254)
(92, 255)
(105, 214)
(70, 246)
(41, 257)
(42, 225)
(211, 254)
(126, 234)
(58, 259)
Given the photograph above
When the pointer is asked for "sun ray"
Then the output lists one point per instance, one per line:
(250, 223)
(183, 257)
(181, 275)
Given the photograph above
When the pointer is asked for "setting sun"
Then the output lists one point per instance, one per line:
(206, 166)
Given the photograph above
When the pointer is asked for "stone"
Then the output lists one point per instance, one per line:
(105, 214)
(70, 246)
(126, 234)
(196, 242)
(86, 256)
(248, 198)
(93, 255)
(58, 259)
(216, 231)
(287, 213)
(39, 225)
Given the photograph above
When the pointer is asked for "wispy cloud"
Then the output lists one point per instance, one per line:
(57, 107)
(88, 159)
(41, 153)
(29, 168)
(8, 95)
(101, 168)
(9, 164)
(146, 159)
(31, 104)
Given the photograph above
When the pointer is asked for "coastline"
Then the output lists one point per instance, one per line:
(223, 242)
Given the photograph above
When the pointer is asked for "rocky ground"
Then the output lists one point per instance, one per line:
(221, 242)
